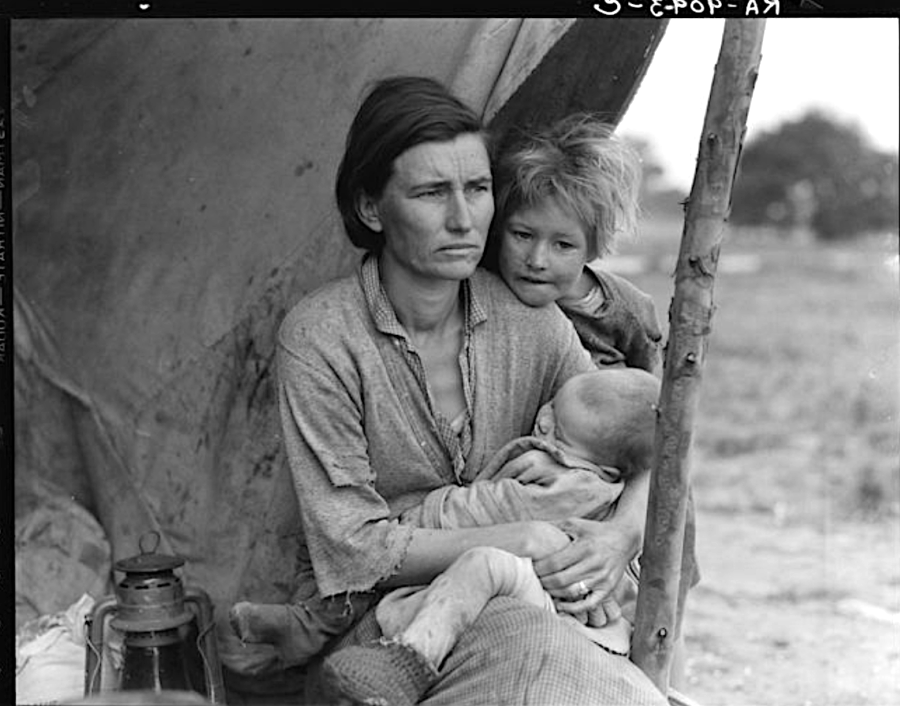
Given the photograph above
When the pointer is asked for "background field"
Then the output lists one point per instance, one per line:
(796, 470)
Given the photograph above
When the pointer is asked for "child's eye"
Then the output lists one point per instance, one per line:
(521, 234)
(564, 245)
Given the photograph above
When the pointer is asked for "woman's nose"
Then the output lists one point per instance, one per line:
(459, 218)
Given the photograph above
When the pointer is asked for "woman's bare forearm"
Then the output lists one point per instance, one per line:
(630, 514)
(432, 551)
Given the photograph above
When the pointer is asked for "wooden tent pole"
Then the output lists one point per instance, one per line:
(690, 316)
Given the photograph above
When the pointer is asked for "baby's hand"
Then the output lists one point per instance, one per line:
(534, 466)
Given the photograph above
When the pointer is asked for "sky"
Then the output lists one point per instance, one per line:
(847, 66)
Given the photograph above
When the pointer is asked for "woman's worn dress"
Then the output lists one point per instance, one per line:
(365, 442)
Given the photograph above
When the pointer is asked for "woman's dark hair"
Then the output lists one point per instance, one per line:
(397, 114)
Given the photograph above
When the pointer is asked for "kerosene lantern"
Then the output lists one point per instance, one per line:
(167, 631)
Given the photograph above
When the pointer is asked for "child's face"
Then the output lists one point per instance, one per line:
(543, 249)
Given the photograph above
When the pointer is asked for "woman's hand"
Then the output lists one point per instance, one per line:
(597, 556)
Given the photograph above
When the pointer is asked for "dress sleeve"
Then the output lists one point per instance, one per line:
(643, 340)
(351, 540)
(575, 358)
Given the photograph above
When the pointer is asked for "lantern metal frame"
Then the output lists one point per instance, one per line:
(151, 604)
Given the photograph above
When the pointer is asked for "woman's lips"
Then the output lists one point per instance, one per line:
(460, 247)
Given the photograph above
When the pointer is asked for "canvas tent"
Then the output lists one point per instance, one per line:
(173, 186)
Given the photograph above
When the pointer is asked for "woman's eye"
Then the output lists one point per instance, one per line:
(564, 245)
(521, 234)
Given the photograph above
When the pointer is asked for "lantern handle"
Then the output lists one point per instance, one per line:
(207, 644)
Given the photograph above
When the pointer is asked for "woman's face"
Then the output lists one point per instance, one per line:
(543, 249)
(435, 209)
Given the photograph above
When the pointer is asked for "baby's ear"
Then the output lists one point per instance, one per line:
(544, 422)
(367, 210)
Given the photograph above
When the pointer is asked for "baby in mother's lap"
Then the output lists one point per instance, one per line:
(598, 429)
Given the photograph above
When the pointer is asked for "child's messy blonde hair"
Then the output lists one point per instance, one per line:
(584, 167)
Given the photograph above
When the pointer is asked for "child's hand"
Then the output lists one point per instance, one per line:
(607, 612)
(543, 539)
(584, 611)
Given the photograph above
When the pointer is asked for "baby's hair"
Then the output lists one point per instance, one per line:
(622, 402)
(584, 166)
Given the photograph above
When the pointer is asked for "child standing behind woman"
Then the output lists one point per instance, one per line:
(563, 198)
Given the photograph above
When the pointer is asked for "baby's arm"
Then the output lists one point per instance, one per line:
(533, 466)
(529, 486)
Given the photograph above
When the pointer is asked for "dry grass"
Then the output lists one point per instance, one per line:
(799, 405)
(796, 473)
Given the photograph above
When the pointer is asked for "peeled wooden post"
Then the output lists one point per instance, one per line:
(690, 316)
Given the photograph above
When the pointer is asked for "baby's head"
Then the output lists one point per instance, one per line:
(607, 417)
(562, 197)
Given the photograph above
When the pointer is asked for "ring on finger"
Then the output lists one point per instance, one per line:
(583, 589)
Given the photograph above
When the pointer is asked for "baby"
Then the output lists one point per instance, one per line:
(598, 429)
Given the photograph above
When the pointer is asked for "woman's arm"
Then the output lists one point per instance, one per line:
(432, 551)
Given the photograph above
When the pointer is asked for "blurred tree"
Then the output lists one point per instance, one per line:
(651, 170)
(819, 176)
(658, 199)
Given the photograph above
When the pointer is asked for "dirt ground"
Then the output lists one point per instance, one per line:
(795, 473)
(792, 615)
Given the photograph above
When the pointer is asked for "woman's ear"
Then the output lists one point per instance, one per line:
(367, 210)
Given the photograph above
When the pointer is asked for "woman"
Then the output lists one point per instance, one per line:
(408, 376)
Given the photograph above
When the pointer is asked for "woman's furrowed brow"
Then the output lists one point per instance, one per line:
(426, 183)
(441, 183)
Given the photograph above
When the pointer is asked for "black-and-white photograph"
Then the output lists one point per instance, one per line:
(452, 361)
